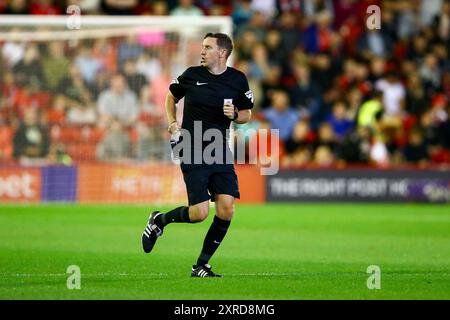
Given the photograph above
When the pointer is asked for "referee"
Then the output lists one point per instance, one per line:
(214, 95)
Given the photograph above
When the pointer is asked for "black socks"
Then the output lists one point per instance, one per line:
(180, 214)
(213, 238)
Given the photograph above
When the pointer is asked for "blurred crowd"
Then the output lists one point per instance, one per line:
(339, 92)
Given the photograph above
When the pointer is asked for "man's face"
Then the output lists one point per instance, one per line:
(118, 84)
(210, 53)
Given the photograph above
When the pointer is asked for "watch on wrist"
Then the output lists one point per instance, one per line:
(236, 115)
(170, 125)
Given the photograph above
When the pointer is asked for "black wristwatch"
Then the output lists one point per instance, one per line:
(236, 115)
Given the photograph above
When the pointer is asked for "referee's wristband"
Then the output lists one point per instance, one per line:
(236, 115)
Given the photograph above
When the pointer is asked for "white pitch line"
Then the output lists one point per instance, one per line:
(83, 274)
(261, 274)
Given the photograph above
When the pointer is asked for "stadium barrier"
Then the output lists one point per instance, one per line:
(359, 185)
(163, 184)
(110, 183)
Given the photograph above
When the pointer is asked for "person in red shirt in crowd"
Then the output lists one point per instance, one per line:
(44, 7)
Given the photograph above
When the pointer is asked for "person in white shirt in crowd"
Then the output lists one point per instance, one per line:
(118, 102)
(394, 94)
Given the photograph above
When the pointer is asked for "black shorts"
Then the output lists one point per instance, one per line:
(203, 182)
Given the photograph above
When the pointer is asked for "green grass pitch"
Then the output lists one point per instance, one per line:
(272, 251)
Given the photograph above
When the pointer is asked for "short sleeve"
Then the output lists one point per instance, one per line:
(178, 86)
(245, 100)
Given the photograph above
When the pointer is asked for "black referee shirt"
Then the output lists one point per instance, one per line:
(204, 95)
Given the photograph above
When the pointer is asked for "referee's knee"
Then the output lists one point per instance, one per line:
(225, 212)
(198, 213)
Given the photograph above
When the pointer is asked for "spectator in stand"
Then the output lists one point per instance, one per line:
(323, 71)
(17, 7)
(118, 102)
(375, 43)
(159, 8)
(416, 100)
(291, 35)
(311, 8)
(58, 155)
(354, 100)
(245, 44)
(301, 137)
(257, 25)
(323, 157)
(115, 145)
(317, 37)
(88, 7)
(8, 97)
(31, 140)
(306, 94)
(44, 7)
(446, 83)
(102, 83)
(377, 69)
(29, 70)
(259, 65)
(394, 95)
(56, 65)
(119, 7)
(443, 22)
(128, 49)
(299, 158)
(135, 80)
(74, 88)
(266, 7)
(294, 6)
(379, 153)
(417, 47)
(338, 120)
(150, 144)
(6, 146)
(326, 137)
(276, 55)
(371, 111)
(389, 24)
(441, 52)
(56, 114)
(429, 10)
(80, 114)
(216, 7)
(186, 8)
(280, 115)
(13, 51)
(31, 96)
(407, 17)
(241, 13)
(105, 51)
(430, 72)
(149, 64)
(88, 65)
(158, 87)
(271, 82)
(355, 148)
(415, 150)
(79, 100)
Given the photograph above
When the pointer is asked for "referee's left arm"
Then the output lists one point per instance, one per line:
(243, 116)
